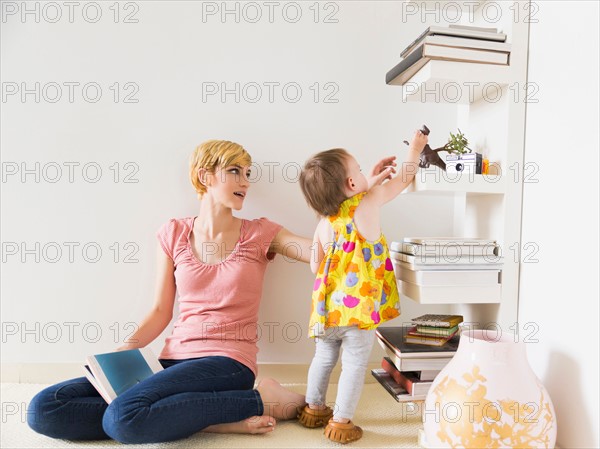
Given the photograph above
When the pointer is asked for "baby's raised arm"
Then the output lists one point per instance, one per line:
(383, 193)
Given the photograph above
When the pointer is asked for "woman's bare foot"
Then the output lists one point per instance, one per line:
(279, 401)
(253, 425)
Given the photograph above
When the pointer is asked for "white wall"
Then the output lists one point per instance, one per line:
(559, 292)
(52, 310)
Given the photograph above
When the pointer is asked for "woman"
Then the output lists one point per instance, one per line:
(216, 262)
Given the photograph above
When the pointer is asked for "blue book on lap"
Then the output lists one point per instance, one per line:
(115, 372)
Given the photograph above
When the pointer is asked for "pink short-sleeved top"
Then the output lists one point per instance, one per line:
(218, 303)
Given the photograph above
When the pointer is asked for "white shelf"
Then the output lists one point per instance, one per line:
(475, 294)
(456, 82)
(439, 182)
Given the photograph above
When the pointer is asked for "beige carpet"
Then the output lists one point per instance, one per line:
(386, 424)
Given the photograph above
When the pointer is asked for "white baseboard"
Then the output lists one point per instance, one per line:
(49, 373)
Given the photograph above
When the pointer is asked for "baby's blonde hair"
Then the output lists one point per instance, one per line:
(214, 154)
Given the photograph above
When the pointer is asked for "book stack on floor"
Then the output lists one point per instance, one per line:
(408, 370)
(448, 270)
(453, 43)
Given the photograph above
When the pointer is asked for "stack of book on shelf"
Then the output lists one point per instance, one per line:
(409, 369)
(453, 43)
(433, 330)
(448, 270)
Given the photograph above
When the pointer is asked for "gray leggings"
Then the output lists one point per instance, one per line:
(357, 345)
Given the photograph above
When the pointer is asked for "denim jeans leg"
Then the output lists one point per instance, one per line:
(182, 400)
(70, 410)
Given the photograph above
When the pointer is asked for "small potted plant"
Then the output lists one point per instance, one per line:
(460, 157)
(457, 143)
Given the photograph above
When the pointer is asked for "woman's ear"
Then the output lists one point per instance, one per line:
(203, 177)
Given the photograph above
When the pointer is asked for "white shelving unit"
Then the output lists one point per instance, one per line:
(434, 181)
(491, 112)
(460, 83)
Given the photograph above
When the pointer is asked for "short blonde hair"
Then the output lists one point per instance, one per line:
(212, 155)
(322, 181)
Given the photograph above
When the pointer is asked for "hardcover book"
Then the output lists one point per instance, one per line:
(445, 249)
(472, 33)
(450, 261)
(439, 320)
(436, 331)
(115, 372)
(455, 41)
(428, 340)
(425, 363)
(428, 374)
(409, 380)
(399, 261)
(394, 337)
(446, 241)
(413, 62)
(396, 391)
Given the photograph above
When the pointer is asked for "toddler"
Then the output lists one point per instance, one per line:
(355, 286)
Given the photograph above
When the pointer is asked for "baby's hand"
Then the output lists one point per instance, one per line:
(382, 171)
(385, 164)
(419, 141)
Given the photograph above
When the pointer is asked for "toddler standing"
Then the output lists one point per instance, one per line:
(355, 287)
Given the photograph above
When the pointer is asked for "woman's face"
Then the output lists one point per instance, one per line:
(229, 185)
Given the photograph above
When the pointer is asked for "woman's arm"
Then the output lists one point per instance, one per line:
(291, 245)
(161, 313)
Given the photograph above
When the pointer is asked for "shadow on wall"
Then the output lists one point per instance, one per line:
(568, 394)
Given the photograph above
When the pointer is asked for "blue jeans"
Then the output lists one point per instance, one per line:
(184, 398)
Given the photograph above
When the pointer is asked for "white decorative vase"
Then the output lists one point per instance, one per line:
(488, 397)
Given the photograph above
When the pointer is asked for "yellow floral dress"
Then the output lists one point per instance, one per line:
(355, 284)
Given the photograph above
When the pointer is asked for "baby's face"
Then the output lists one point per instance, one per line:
(355, 175)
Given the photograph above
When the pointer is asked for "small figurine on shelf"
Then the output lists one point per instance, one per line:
(457, 144)
(428, 156)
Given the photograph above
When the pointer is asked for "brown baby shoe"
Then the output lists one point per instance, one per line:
(343, 432)
(312, 418)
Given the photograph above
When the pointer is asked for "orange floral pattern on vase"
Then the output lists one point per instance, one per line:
(486, 423)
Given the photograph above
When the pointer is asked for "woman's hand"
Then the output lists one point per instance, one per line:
(383, 170)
